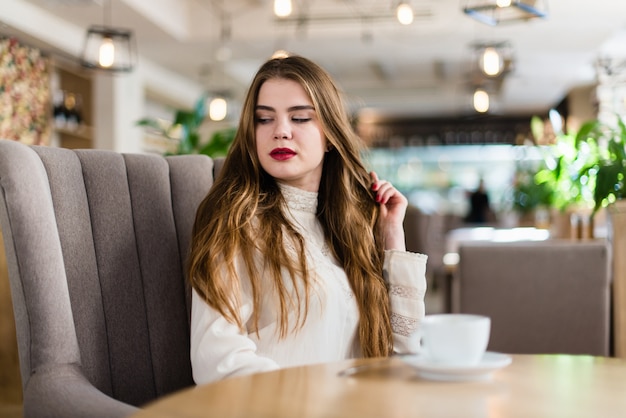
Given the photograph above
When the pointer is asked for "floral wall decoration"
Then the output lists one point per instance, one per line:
(25, 102)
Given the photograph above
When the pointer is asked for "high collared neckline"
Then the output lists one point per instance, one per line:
(298, 199)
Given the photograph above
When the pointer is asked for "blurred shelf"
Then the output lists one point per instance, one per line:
(82, 132)
(77, 138)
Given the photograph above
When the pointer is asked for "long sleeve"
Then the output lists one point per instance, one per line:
(405, 273)
(219, 349)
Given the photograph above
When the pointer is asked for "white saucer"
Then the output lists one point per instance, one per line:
(435, 371)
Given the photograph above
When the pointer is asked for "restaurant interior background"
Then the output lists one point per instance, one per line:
(410, 88)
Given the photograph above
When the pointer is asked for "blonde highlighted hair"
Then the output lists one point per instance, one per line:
(242, 214)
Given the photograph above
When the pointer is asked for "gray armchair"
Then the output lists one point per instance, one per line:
(96, 242)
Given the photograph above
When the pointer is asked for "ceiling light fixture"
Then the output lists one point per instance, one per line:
(107, 48)
(481, 100)
(494, 12)
(491, 62)
(494, 59)
(280, 53)
(404, 13)
(218, 108)
(282, 8)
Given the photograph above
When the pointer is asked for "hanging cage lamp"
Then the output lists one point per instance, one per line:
(109, 49)
(494, 59)
(494, 12)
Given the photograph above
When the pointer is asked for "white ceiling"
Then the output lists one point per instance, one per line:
(419, 70)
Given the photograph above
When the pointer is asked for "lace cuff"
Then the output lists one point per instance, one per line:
(406, 278)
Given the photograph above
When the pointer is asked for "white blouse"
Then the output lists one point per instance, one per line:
(219, 349)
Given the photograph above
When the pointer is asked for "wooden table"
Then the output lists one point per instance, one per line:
(532, 386)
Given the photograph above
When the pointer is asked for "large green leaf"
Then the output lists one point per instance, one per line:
(588, 129)
(607, 183)
(185, 118)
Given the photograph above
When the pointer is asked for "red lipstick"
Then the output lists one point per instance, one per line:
(282, 154)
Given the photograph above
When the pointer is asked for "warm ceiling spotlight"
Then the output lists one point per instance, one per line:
(106, 53)
(404, 13)
(493, 59)
(481, 101)
(282, 8)
(280, 53)
(491, 62)
(218, 108)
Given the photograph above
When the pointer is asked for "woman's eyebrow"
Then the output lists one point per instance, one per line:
(291, 109)
(301, 107)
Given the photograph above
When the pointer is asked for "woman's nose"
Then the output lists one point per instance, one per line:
(282, 131)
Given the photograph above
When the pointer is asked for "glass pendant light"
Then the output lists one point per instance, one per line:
(481, 100)
(107, 48)
(404, 13)
(491, 62)
(218, 108)
(282, 8)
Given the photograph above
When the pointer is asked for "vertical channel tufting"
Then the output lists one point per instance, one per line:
(119, 271)
(163, 277)
(74, 227)
(44, 324)
(191, 177)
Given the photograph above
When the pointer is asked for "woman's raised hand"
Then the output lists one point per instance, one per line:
(393, 206)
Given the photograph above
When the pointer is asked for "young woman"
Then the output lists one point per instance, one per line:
(298, 252)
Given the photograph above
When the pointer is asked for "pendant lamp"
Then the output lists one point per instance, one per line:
(404, 13)
(481, 100)
(218, 108)
(494, 59)
(108, 48)
(282, 8)
(494, 12)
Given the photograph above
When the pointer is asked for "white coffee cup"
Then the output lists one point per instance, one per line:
(455, 340)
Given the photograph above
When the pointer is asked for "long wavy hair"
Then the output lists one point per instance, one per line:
(243, 214)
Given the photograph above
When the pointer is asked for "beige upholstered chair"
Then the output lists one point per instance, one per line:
(96, 242)
(543, 297)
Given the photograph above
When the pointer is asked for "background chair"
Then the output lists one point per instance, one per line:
(96, 242)
(543, 297)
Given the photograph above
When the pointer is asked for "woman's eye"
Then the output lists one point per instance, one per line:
(301, 120)
(262, 121)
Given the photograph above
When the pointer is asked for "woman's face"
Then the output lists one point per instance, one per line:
(289, 139)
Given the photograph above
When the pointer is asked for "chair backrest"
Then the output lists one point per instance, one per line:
(425, 233)
(96, 245)
(543, 297)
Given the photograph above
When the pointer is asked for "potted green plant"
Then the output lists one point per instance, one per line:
(184, 132)
(605, 171)
(553, 187)
(560, 171)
